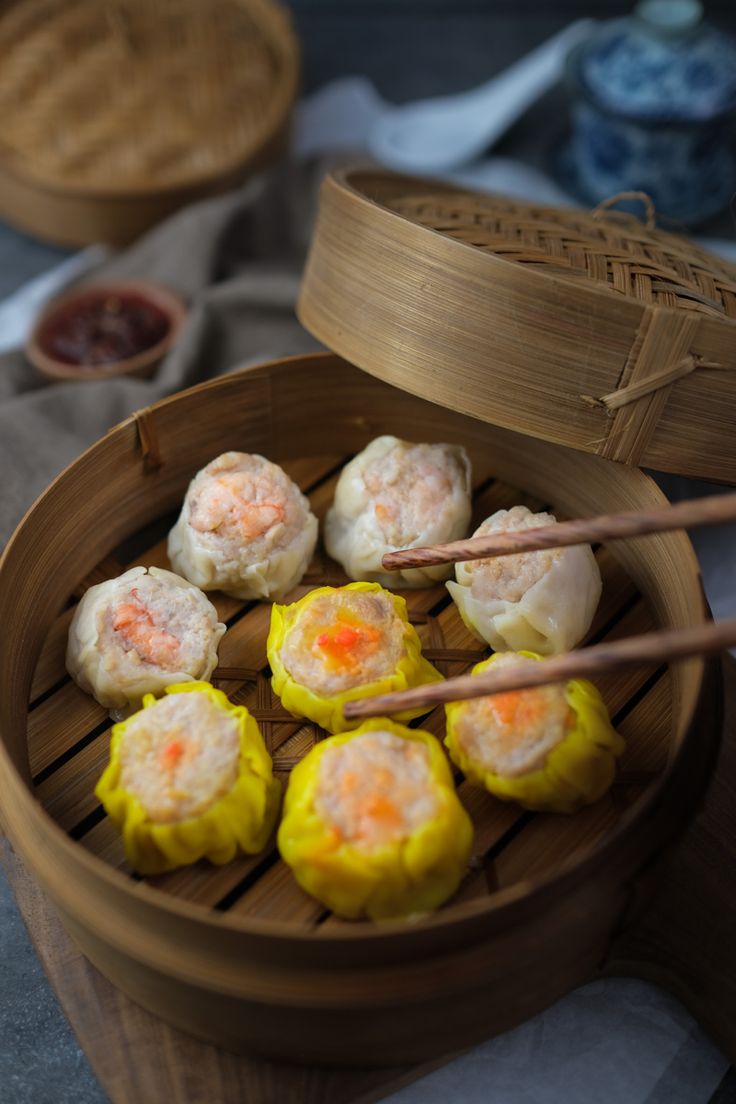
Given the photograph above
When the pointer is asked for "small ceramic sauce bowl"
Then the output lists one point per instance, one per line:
(102, 331)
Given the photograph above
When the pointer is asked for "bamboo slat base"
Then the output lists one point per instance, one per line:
(68, 732)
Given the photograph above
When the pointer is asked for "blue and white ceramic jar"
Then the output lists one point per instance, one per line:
(654, 104)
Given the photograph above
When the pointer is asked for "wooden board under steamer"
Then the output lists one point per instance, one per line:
(239, 955)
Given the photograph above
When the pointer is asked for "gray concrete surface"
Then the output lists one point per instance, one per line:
(40, 1060)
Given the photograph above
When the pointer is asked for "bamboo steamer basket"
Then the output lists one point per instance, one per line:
(238, 955)
(117, 112)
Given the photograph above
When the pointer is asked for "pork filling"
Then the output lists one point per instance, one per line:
(410, 485)
(508, 578)
(179, 756)
(376, 789)
(512, 733)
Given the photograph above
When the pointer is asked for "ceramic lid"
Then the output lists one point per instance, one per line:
(662, 63)
(587, 329)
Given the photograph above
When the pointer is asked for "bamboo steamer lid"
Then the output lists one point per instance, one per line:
(590, 330)
(116, 112)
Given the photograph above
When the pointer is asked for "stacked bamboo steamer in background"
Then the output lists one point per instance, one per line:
(116, 112)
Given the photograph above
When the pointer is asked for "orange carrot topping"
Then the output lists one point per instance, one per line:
(516, 709)
(345, 644)
(333, 838)
(172, 753)
(380, 809)
(348, 782)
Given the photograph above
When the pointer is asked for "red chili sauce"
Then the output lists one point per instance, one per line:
(104, 329)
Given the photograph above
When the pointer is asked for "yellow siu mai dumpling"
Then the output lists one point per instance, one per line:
(396, 494)
(372, 824)
(341, 643)
(245, 528)
(536, 601)
(549, 747)
(189, 778)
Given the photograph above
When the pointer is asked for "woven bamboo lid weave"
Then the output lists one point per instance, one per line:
(116, 111)
(592, 330)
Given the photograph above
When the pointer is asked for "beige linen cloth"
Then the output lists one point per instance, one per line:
(237, 261)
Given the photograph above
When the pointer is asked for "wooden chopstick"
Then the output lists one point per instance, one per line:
(657, 647)
(713, 510)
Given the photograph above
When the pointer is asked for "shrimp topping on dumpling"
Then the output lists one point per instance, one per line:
(535, 601)
(395, 494)
(245, 528)
(140, 633)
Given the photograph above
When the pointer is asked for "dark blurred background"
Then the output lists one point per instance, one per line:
(419, 48)
(413, 48)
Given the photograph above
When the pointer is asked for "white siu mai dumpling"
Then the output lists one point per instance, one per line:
(392, 495)
(245, 528)
(140, 633)
(533, 601)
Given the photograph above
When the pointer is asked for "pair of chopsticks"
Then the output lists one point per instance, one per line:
(658, 647)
